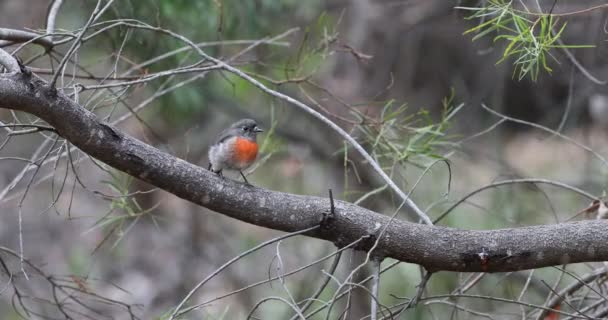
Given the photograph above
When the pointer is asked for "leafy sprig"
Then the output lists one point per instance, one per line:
(530, 38)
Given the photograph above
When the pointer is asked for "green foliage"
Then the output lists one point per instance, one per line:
(124, 210)
(529, 42)
(404, 139)
(399, 138)
(313, 49)
(272, 142)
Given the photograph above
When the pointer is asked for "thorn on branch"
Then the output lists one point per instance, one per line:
(52, 92)
(24, 70)
(328, 218)
(30, 86)
(332, 205)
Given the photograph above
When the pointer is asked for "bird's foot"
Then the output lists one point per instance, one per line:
(246, 182)
(219, 172)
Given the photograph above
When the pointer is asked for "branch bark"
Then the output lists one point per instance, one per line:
(7, 61)
(436, 248)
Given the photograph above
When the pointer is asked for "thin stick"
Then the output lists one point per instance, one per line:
(52, 16)
(231, 261)
(375, 286)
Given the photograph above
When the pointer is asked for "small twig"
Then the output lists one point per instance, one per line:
(19, 36)
(491, 298)
(272, 41)
(330, 272)
(419, 292)
(582, 281)
(562, 122)
(543, 128)
(294, 271)
(96, 13)
(20, 206)
(53, 10)
(563, 299)
(514, 181)
(32, 130)
(25, 169)
(230, 262)
(564, 14)
(150, 77)
(341, 295)
(257, 305)
(361, 57)
(376, 261)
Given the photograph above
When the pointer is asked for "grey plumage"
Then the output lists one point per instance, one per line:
(246, 127)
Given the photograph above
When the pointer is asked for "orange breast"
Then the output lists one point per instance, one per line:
(246, 150)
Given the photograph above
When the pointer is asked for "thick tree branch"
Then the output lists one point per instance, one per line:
(435, 248)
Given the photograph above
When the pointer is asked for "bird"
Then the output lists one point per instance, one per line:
(235, 148)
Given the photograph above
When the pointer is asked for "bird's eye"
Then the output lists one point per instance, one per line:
(245, 128)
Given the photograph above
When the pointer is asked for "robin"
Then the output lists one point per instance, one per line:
(235, 148)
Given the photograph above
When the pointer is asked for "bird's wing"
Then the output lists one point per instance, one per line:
(223, 135)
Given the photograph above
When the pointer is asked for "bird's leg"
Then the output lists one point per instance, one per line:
(242, 175)
(219, 172)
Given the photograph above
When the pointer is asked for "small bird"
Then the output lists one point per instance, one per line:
(235, 148)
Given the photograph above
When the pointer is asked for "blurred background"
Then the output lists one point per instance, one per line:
(400, 76)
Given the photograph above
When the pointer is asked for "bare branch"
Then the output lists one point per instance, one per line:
(553, 132)
(375, 288)
(271, 41)
(233, 260)
(30, 131)
(571, 289)
(18, 36)
(54, 7)
(8, 61)
(331, 271)
(515, 181)
(96, 13)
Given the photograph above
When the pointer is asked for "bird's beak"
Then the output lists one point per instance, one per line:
(257, 129)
